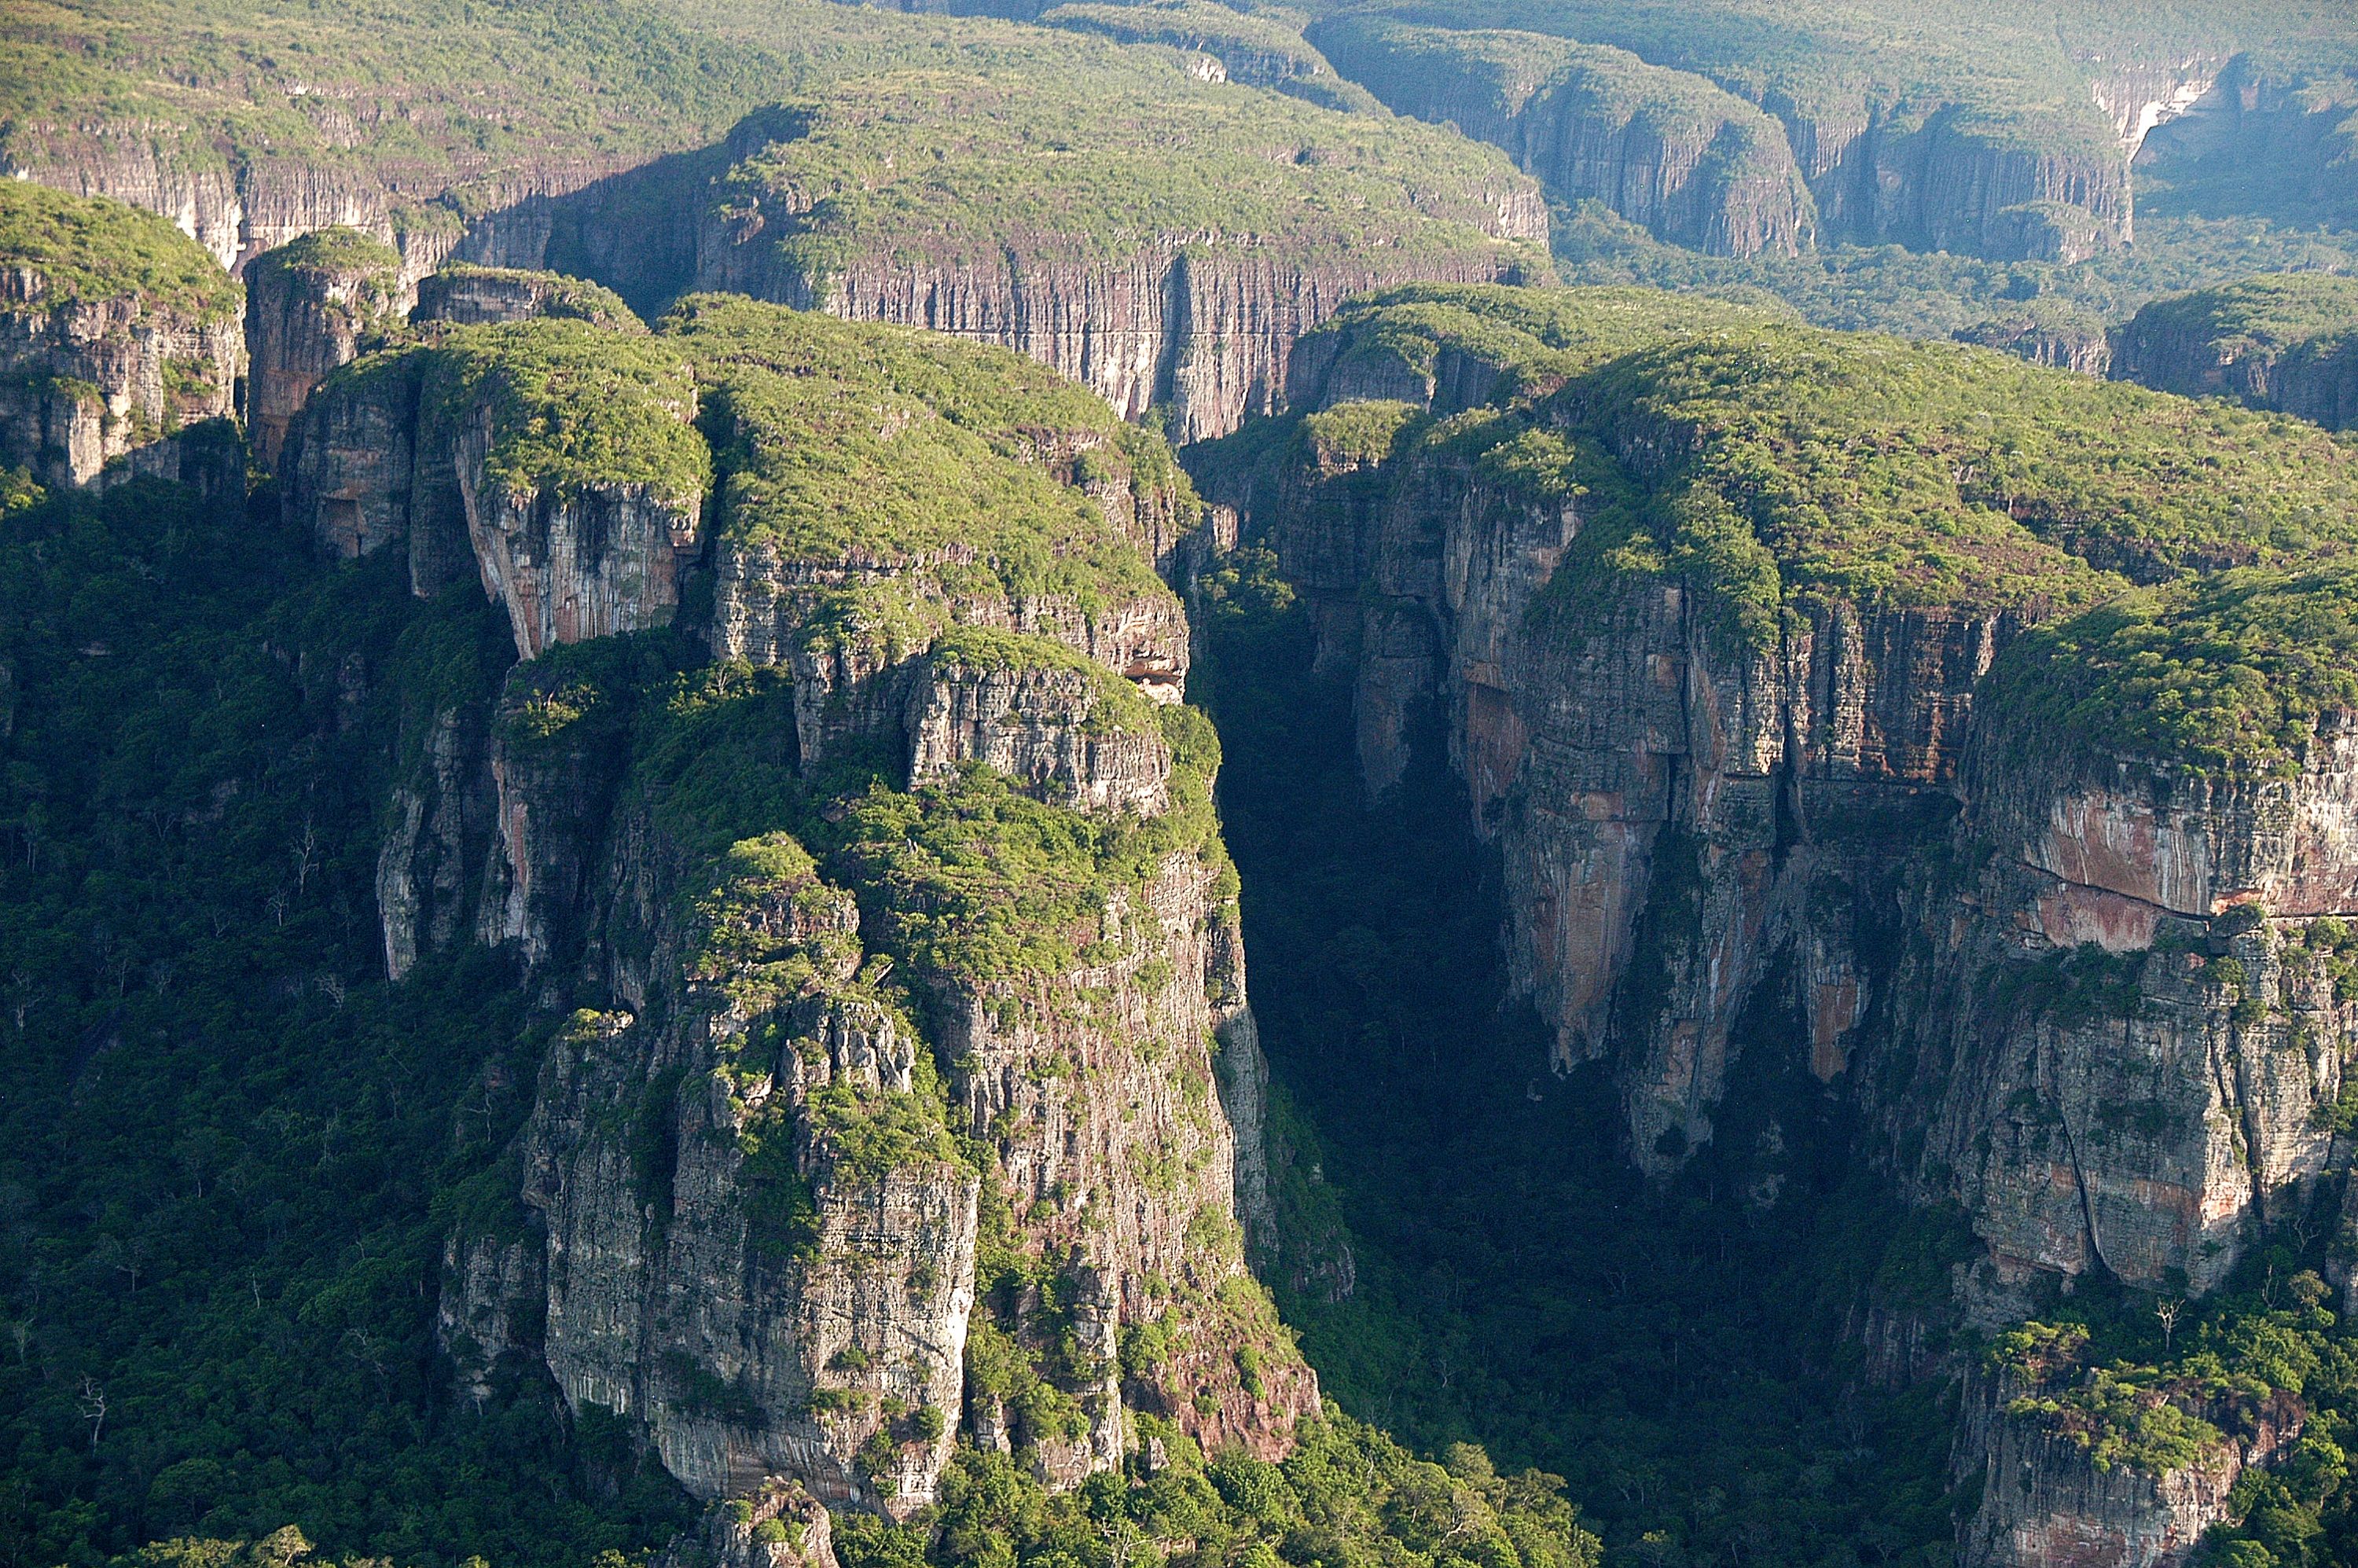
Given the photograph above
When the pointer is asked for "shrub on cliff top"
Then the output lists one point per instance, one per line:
(1537, 338)
(1117, 705)
(572, 406)
(89, 250)
(2231, 673)
(2264, 316)
(1121, 155)
(569, 298)
(337, 252)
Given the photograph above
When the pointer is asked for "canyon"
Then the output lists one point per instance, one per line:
(712, 741)
(2085, 999)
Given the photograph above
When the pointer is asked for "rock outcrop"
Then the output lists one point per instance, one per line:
(2287, 342)
(1061, 726)
(1195, 315)
(830, 1162)
(554, 460)
(312, 305)
(115, 332)
(467, 296)
(2060, 340)
(2058, 1487)
(1669, 151)
(2081, 994)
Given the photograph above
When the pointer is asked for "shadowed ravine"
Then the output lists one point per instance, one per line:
(1694, 1366)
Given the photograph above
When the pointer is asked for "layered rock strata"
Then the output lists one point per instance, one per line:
(94, 369)
(821, 1170)
(1691, 164)
(2047, 1498)
(311, 306)
(2060, 983)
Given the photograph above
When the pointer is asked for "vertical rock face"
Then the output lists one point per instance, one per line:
(86, 384)
(598, 559)
(466, 451)
(1646, 779)
(311, 306)
(1207, 334)
(349, 469)
(1196, 315)
(2059, 341)
(94, 366)
(1054, 725)
(465, 295)
(430, 867)
(2049, 1498)
(1669, 151)
(2286, 342)
(2084, 994)
(764, 1300)
(830, 1164)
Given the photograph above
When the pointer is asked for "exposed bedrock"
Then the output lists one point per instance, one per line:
(576, 562)
(781, 1125)
(1691, 164)
(2283, 342)
(1207, 333)
(87, 382)
(2085, 997)
(311, 306)
(2047, 1500)
(238, 211)
(1739, 167)
(1045, 725)
(1672, 811)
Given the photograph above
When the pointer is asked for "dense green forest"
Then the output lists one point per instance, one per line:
(240, 1169)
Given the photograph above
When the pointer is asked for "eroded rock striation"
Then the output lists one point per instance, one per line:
(1689, 162)
(1703, 794)
(116, 333)
(312, 305)
(1165, 301)
(836, 1150)
(2060, 917)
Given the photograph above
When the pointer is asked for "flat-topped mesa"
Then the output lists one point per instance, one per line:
(116, 331)
(1154, 274)
(1689, 162)
(312, 305)
(1222, 45)
(2286, 342)
(878, 488)
(366, 465)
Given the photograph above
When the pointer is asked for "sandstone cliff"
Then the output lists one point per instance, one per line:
(1161, 300)
(884, 1103)
(2283, 342)
(2056, 914)
(312, 305)
(2067, 1473)
(1691, 164)
(2062, 339)
(1707, 800)
(114, 333)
